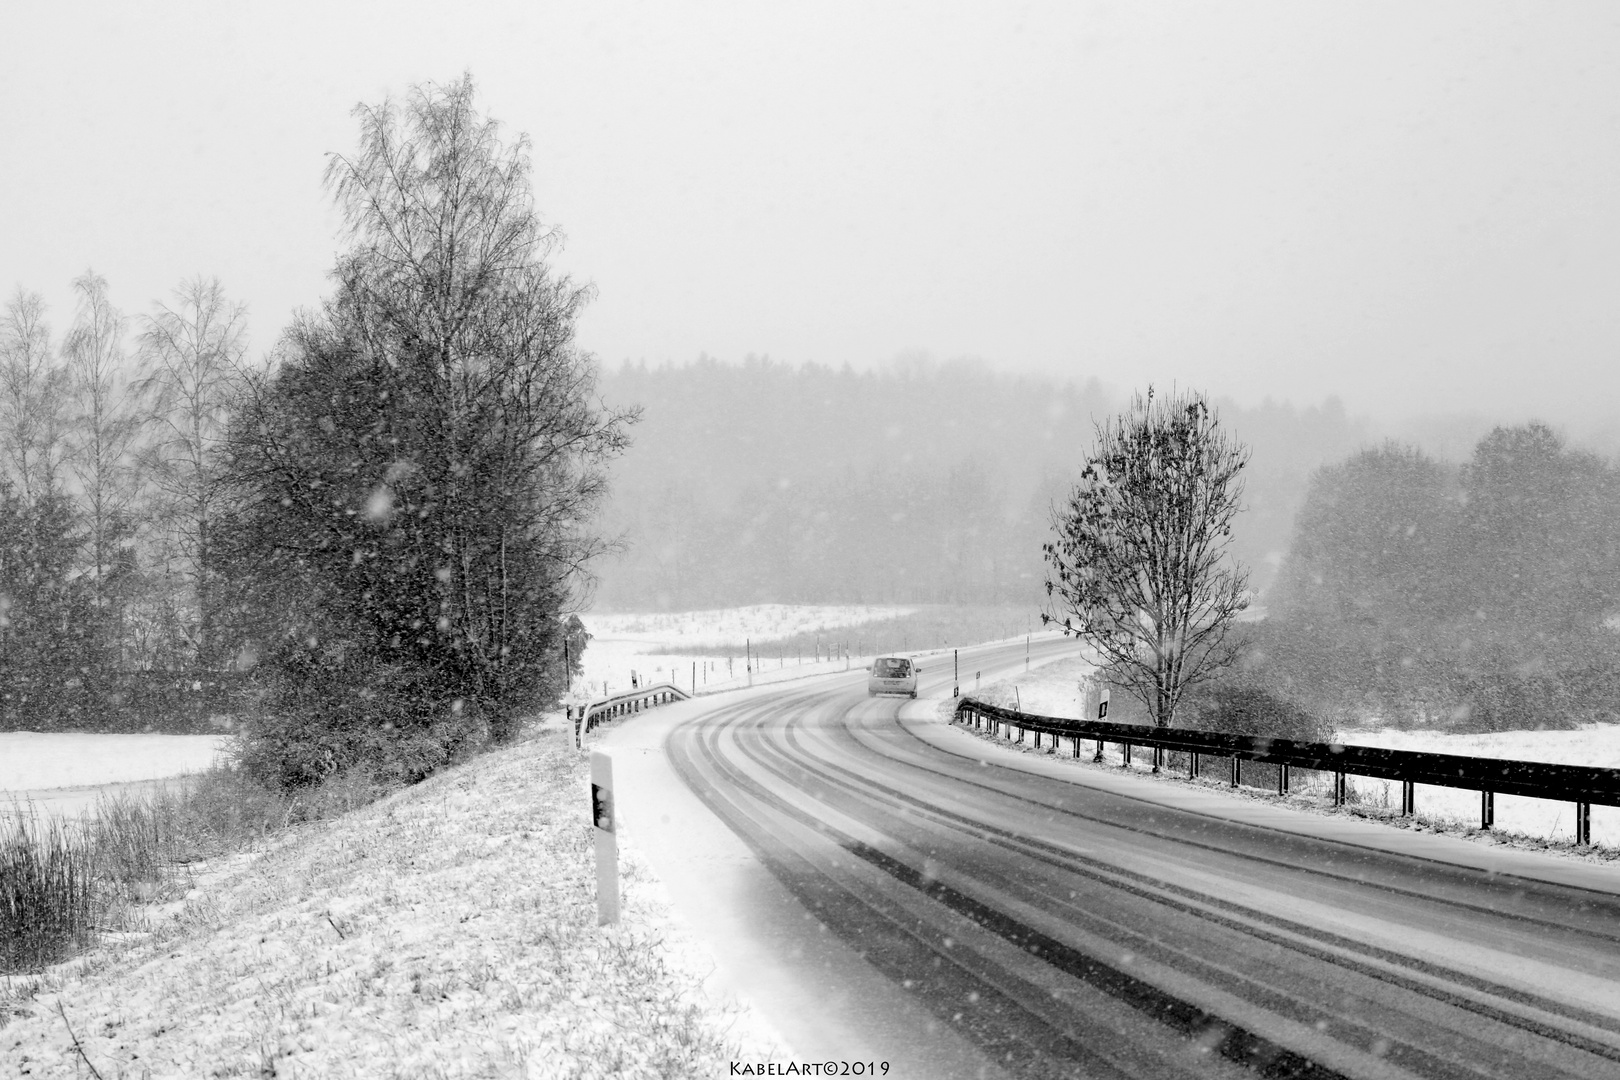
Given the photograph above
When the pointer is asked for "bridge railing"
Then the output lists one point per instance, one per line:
(1582, 785)
(587, 716)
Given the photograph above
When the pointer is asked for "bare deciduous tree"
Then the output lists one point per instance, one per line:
(33, 398)
(193, 356)
(102, 436)
(1138, 567)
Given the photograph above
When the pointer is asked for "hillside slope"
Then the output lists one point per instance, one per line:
(446, 931)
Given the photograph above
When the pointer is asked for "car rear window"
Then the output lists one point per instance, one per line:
(889, 667)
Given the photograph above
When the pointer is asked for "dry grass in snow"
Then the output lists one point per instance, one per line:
(448, 930)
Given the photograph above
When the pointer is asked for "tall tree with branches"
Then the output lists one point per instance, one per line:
(418, 478)
(33, 399)
(1138, 566)
(42, 615)
(192, 353)
(102, 435)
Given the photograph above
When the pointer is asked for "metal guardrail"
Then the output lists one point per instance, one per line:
(1580, 784)
(586, 717)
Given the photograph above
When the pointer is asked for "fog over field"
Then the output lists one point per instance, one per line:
(921, 481)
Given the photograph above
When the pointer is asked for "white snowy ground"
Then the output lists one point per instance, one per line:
(446, 931)
(672, 646)
(1053, 690)
(32, 760)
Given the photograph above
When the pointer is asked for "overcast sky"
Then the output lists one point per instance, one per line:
(1413, 206)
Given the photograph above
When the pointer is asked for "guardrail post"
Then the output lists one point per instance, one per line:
(1099, 756)
(1408, 798)
(1237, 770)
(1158, 757)
(1583, 823)
(1126, 750)
(1037, 738)
(1282, 779)
(1192, 765)
(1341, 789)
(1487, 809)
(1077, 747)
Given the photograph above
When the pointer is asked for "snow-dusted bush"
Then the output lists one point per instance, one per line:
(331, 711)
(1253, 710)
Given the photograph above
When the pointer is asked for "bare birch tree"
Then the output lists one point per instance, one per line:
(1138, 568)
(102, 436)
(33, 399)
(193, 357)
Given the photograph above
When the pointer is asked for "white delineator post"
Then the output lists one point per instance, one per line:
(1093, 699)
(607, 843)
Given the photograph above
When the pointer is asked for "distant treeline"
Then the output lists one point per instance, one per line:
(1479, 596)
(920, 483)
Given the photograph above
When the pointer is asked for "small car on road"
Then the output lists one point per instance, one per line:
(892, 675)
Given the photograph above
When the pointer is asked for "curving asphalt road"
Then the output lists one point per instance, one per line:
(1067, 922)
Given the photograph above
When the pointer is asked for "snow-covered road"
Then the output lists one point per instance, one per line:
(902, 890)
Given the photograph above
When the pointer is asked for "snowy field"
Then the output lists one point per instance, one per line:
(681, 647)
(762, 622)
(1053, 690)
(31, 761)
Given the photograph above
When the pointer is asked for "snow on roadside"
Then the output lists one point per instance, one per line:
(1049, 689)
(1053, 690)
(33, 760)
(1595, 745)
(448, 930)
